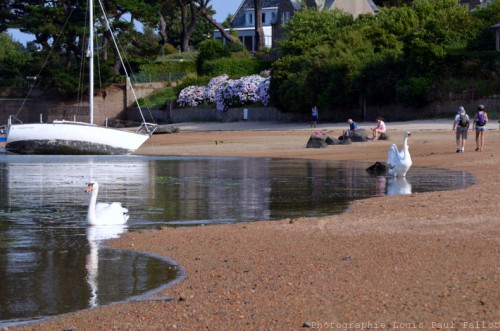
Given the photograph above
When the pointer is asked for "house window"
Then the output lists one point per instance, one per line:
(263, 18)
(249, 19)
(285, 17)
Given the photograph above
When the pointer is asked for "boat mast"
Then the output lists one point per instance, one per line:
(91, 61)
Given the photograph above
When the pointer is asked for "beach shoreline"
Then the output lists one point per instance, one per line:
(419, 261)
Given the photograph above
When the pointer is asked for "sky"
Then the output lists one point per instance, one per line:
(222, 7)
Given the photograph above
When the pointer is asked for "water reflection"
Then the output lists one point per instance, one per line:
(398, 186)
(184, 191)
(96, 235)
(53, 263)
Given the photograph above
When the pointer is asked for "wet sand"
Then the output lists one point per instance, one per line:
(421, 261)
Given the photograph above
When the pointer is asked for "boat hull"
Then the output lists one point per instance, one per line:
(71, 138)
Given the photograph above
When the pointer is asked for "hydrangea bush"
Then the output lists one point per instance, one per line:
(191, 96)
(263, 91)
(225, 92)
(212, 87)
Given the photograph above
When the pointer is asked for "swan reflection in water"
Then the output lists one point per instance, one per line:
(390, 185)
(96, 234)
(398, 186)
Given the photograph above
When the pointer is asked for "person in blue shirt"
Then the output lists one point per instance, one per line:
(314, 116)
(353, 126)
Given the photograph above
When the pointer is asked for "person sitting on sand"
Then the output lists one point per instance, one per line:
(353, 126)
(379, 129)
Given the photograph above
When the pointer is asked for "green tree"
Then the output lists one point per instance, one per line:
(211, 49)
(333, 60)
(14, 59)
(320, 54)
(392, 3)
(60, 29)
(487, 16)
(204, 9)
(309, 28)
(442, 26)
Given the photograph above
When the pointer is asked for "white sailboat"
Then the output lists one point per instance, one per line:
(73, 138)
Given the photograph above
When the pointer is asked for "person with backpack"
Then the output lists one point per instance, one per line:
(479, 126)
(461, 127)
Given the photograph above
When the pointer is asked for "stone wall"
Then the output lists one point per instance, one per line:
(179, 115)
(115, 101)
(231, 115)
(142, 90)
(441, 109)
(109, 103)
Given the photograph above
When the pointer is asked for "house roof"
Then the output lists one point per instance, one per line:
(354, 7)
(329, 3)
(495, 27)
(239, 16)
(296, 4)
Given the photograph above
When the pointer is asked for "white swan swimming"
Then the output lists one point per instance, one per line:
(399, 162)
(104, 213)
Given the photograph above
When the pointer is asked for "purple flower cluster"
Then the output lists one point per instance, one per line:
(263, 91)
(213, 85)
(191, 96)
(225, 92)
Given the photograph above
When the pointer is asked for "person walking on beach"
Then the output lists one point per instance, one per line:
(379, 129)
(314, 116)
(480, 121)
(460, 127)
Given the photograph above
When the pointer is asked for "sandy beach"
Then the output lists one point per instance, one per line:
(425, 261)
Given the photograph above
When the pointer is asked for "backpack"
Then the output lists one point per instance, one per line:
(464, 120)
(481, 118)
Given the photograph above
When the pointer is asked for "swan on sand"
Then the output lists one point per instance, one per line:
(399, 162)
(104, 213)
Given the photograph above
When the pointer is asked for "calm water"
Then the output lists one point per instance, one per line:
(52, 263)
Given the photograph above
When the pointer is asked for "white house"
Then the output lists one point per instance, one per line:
(244, 22)
(275, 13)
